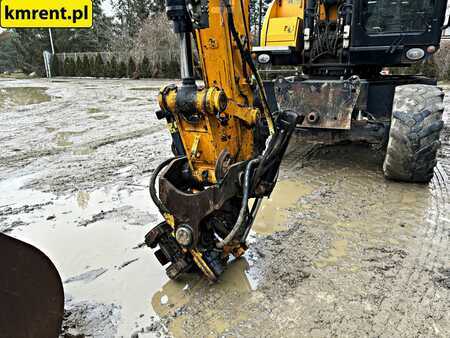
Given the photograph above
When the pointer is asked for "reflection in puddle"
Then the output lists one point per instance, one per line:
(21, 96)
(83, 199)
(126, 275)
(274, 211)
(62, 138)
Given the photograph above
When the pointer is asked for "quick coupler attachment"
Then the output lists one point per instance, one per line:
(204, 225)
(169, 250)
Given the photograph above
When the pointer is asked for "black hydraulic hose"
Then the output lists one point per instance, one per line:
(244, 205)
(348, 6)
(309, 14)
(152, 187)
(270, 155)
(251, 219)
(248, 59)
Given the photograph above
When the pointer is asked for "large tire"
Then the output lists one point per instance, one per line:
(416, 125)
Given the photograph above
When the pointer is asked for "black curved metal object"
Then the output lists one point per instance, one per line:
(31, 292)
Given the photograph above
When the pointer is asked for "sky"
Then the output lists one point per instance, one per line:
(107, 7)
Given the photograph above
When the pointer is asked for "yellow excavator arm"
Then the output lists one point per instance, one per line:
(226, 144)
(219, 116)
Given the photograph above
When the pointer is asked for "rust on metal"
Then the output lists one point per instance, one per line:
(326, 104)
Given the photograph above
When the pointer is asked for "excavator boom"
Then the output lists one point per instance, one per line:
(226, 142)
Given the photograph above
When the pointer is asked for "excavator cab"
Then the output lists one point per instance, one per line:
(318, 33)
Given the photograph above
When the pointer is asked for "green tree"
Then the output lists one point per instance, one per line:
(114, 67)
(99, 66)
(56, 66)
(144, 69)
(86, 66)
(79, 67)
(69, 67)
(122, 70)
(8, 54)
(254, 17)
(132, 13)
(174, 69)
(131, 67)
(30, 43)
(107, 72)
(164, 69)
(73, 67)
(430, 68)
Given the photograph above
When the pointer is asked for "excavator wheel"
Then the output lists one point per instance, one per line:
(414, 136)
(31, 292)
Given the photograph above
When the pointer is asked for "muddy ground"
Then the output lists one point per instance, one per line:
(337, 251)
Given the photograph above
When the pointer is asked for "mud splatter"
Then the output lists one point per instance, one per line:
(22, 96)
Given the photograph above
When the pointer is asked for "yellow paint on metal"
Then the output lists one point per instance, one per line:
(194, 150)
(198, 259)
(196, 255)
(228, 78)
(283, 31)
(281, 18)
(172, 127)
(170, 219)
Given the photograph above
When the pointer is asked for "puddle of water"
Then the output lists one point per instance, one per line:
(130, 275)
(62, 138)
(144, 88)
(93, 110)
(274, 211)
(99, 117)
(358, 207)
(175, 294)
(83, 199)
(131, 99)
(337, 250)
(50, 129)
(22, 96)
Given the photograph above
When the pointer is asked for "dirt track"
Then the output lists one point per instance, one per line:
(338, 251)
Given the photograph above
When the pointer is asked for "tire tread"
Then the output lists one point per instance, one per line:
(414, 136)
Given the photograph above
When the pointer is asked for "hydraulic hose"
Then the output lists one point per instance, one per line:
(248, 59)
(244, 205)
(152, 187)
(253, 213)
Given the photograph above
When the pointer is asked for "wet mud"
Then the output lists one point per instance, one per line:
(336, 251)
(17, 96)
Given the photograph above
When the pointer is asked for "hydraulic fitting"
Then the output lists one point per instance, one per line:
(189, 100)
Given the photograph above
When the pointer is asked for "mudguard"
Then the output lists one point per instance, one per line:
(31, 292)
